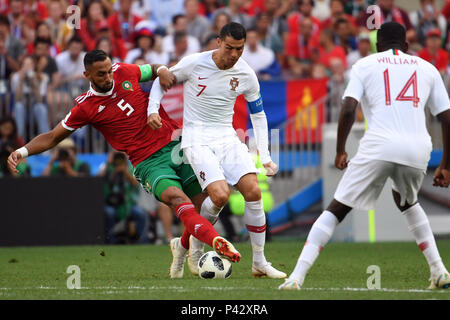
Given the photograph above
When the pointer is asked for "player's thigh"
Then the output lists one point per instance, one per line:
(156, 168)
(204, 163)
(362, 183)
(407, 182)
(236, 162)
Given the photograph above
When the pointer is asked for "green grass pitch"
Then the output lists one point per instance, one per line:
(141, 272)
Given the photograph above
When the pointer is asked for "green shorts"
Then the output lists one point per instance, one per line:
(167, 165)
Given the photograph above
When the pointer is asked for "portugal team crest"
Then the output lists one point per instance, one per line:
(234, 82)
(127, 85)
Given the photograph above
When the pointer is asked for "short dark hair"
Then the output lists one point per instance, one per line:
(74, 38)
(4, 20)
(391, 33)
(93, 56)
(42, 40)
(234, 30)
(176, 17)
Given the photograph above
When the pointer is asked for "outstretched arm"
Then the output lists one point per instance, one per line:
(41, 143)
(442, 173)
(346, 120)
(154, 71)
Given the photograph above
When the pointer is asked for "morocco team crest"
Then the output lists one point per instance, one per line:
(234, 82)
(127, 85)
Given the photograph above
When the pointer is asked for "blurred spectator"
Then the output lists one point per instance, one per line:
(5, 72)
(234, 10)
(29, 86)
(35, 9)
(426, 19)
(158, 54)
(208, 7)
(299, 49)
(336, 87)
(60, 32)
(64, 163)
(104, 44)
(433, 53)
(328, 50)
(42, 56)
(390, 12)
(305, 9)
(180, 42)
(261, 59)
(179, 24)
(123, 22)
(355, 7)
(89, 25)
(337, 12)
(165, 215)
(269, 39)
(143, 46)
(343, 35)
(14, 48)
(219, 21)
(321, 9)
(117, 44)
(16, 18)
(43, 31)
(363, 41)
(197, 25)
(10, 141)
(210, 42)
(123, 215)
(71, 66)
(277, 21)
(162, 12)
(140, 8)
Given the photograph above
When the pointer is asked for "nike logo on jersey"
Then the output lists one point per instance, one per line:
(196, 227)
(200, 78)
(100, 108)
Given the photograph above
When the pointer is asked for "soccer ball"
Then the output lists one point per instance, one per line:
(212, 266)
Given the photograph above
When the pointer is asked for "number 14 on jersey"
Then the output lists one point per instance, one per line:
(402, 95)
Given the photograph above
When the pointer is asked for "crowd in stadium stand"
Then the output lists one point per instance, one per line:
(41, 54)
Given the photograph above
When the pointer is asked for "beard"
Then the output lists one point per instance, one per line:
(103, 89)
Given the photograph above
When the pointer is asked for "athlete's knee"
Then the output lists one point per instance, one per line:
(220, 197)
(173, 197)
(339, 209)
(252, 192)
(397, 200)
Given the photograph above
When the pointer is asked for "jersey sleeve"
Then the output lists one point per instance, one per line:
(251, 93)
(355, 87)
(131, 70)
(75, 119)
(183, 69)
(438, 101)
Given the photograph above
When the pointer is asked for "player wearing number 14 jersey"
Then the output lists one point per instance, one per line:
(393, 88)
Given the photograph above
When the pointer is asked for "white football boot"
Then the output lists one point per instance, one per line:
(179, 257)
(441, 281)
(267, 270)
(290, 284)
(194, 255)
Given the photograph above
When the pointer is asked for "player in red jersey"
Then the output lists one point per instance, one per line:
(117, 106)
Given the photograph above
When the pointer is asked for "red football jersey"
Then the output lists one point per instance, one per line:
(121, 115)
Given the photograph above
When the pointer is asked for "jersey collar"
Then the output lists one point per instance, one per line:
(102, 94)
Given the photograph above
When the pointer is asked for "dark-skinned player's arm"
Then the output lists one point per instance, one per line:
(152, 71)
(346, 120)
(442, 174)
(39, 144)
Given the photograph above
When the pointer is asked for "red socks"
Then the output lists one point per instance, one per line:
(195, 225)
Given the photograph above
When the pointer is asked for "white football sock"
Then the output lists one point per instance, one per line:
(318, 236)
(255, 221)
(210, 212)
(419, 226)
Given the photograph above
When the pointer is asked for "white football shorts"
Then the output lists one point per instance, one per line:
(227, 161)
(362, 183)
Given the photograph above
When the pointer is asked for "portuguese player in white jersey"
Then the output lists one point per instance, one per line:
(212, 82)
(393, 88)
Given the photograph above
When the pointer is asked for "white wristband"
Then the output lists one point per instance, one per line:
(161, 67)
(23, 152)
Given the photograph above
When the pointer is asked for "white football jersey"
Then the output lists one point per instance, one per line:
(209, 95)
(394, 88)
